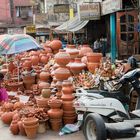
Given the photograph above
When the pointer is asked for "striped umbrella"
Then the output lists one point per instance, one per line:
(12, 44)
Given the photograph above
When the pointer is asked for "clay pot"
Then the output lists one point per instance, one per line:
(29, 79)
(42, 102)
(55, 113)
(72, 50)
(55, 103)
(14, 127)
(46, 92)
(67, 105)
(62, 73)
(69, 113)
(43, 85)
(11, 67)
(94, 57)
(35, 60)
(27, 64)
(67, 97)
(92, 66)
(67, 87)
(44, 76)
(7, 117)
(56, 44)
(69, 120)
(31, 130)
(21, 128)
(44, 59)
(84, 50)
(56, 124)
(8, 106)
(77, 66)
(62, 58)
(14, 86)
(30, 121)
(18, 105)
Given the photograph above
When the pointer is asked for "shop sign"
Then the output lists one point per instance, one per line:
(61, 8)
(15, 31)
(42, 31)
(89, 11)
(111, 6)
(30, 29)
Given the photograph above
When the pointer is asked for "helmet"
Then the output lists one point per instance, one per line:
(133, 62)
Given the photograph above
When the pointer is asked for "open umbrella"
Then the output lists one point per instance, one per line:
(12, 44)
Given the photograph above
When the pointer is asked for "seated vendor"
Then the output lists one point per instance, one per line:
(3, 92)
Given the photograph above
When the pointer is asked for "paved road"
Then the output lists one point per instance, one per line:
(5, 134)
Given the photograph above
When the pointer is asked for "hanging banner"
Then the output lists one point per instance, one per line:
(111, 6)
(89, 11)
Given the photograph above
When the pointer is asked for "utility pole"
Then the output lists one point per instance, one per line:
(12, 10)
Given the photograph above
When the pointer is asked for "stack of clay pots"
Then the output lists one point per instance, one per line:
(31, 125)
(55, 113)
(69, 114)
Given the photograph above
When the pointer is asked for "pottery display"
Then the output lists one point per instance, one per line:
(62, 58)
(55, 44)
(94, 57)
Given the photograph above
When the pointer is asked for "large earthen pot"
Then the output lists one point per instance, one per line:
(94, 57)
(67, 87)
(56, 44)
(62, 58)
(92, 66)
(77, 66)
(14, 127)
(44, 59)
(55, 113)
(6, 117)
(62, 73)
(42, 85)
(84, 50)
(35, 60)
(44, 75)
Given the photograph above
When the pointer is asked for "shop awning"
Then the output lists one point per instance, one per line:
(72, 25)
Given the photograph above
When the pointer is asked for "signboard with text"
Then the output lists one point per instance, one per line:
(30, 29)
(89, 11)
(111, 6)
(61, 8)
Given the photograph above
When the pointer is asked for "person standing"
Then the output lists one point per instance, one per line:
(97, 45)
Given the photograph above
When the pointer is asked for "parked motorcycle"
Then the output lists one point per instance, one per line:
(104, 113)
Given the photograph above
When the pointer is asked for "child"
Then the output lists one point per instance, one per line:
(3, 92)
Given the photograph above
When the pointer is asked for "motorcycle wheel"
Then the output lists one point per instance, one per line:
(94, 127)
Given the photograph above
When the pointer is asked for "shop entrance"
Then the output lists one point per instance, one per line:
(127, 36)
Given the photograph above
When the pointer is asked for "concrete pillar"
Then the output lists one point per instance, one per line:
(113, 36)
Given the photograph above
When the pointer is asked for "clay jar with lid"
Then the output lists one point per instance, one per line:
(77, 66)
(62, 58)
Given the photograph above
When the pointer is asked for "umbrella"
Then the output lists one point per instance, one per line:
(12, 44)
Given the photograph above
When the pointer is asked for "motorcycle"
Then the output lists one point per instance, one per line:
(104, 114)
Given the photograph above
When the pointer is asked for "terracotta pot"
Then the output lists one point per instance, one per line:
(35, 60)
(62, 58)
(14, 127)
(67, 105)
(56, 124)
(18, 105)
(8, 106)
(11, 67)
(55, 113)
(67, 87)
(55, 103)
(42, 102)
(27, 64)
(77, 66)
(44, 76)
(94, 57)
(56, 44)
(62, 73)
(21, 128)
(92, 66)
(30, 121)
(14, 86)
(44, 59)
(31, 131)
(69, 113)
(72, 50)
(29, 79)
(67, 97)
(69, 120)
(46, 92)
(84, 50)
(7, 117)
(42, 85)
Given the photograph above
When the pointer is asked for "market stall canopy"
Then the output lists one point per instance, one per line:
(72, 25)
(12, 44)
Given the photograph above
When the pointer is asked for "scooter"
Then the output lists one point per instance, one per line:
(104, 115)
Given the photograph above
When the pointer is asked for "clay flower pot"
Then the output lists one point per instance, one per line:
(14, 127)
(62, 58)
(30, 121)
